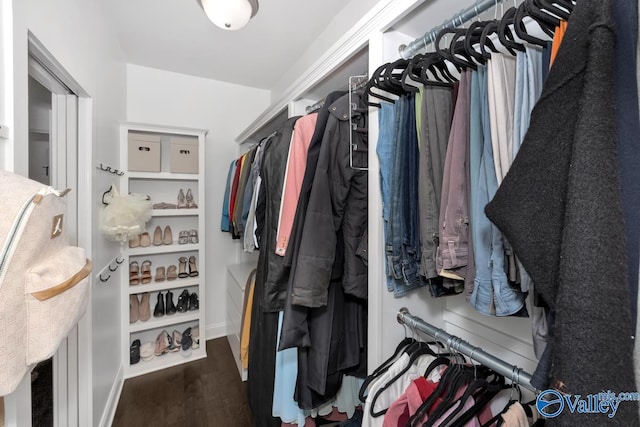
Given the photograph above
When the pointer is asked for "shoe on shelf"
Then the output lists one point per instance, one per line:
(145, 306)
(195, 335)
(163, 342)
(193, 270)
(183, 238)
(176, 341)
(134, 308)
(134, 278)
(187, 343)
(134, 352)
(157, 236)
(145, 240)
(190, 203)
(145, 274)
(172, 272)
(182, 268)
(159, 310)
(183, 302)
(193, 236)
(182, 203)
(164, 205)
(160, 276)
(194, 303)
(170, 308)
(167, 237)
(135, 241)
(147, 351)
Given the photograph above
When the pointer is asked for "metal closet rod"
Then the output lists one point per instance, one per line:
(509, 371)
(407, 51)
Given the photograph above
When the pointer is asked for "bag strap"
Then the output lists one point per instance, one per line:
(66, 285)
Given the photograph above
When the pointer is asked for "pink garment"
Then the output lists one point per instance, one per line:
(294, 174)
(408, 403)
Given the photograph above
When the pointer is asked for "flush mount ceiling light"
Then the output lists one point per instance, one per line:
(230, 14)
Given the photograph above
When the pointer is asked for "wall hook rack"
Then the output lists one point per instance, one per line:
(110, 170)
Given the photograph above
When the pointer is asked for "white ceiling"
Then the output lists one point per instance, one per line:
(176, 35)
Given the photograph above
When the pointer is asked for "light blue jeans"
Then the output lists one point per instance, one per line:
(492, 293)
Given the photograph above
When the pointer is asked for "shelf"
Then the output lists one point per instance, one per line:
(161, 322)
(165, 361)
(164, 175)
(163, 286)
(175, 212)
(163, 249)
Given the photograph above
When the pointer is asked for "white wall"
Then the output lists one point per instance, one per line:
(172, 99)
(81, 36)
(342, 22)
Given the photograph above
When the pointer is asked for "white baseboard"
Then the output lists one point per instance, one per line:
(112, 402)
(216, 330)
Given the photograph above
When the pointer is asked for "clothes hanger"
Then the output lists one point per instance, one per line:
(566, 4)
(490, 28)
(453, 378)
(546, 21)
(409, 73)
(458, 53)
(440, 59)
(476, 382)
(504, 32)
(550, 6)
(462, 377)
(423, 349)
(474, 389)
(521, 29)
(493, 388)
(437, 65)
(373, 83)
(474, 36)
(384, 366)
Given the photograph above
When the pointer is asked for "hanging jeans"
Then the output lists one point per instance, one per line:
(453, 250)
(385, 149)
(437, 111)
(492, 294)
(402, 246)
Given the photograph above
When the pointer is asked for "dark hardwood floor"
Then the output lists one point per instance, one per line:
(205, 392)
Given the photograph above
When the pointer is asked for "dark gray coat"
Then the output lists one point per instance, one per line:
(559, 206)
(336, 218)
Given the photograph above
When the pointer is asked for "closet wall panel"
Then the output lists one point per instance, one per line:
(167, 98)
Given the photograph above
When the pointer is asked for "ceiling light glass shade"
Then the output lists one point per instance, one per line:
(228, 14)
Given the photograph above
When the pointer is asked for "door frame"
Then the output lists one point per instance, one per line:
(78, 405)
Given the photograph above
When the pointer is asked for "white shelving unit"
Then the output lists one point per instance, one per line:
(163, 186)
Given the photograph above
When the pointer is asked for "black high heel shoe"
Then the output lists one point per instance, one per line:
(159, 310)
